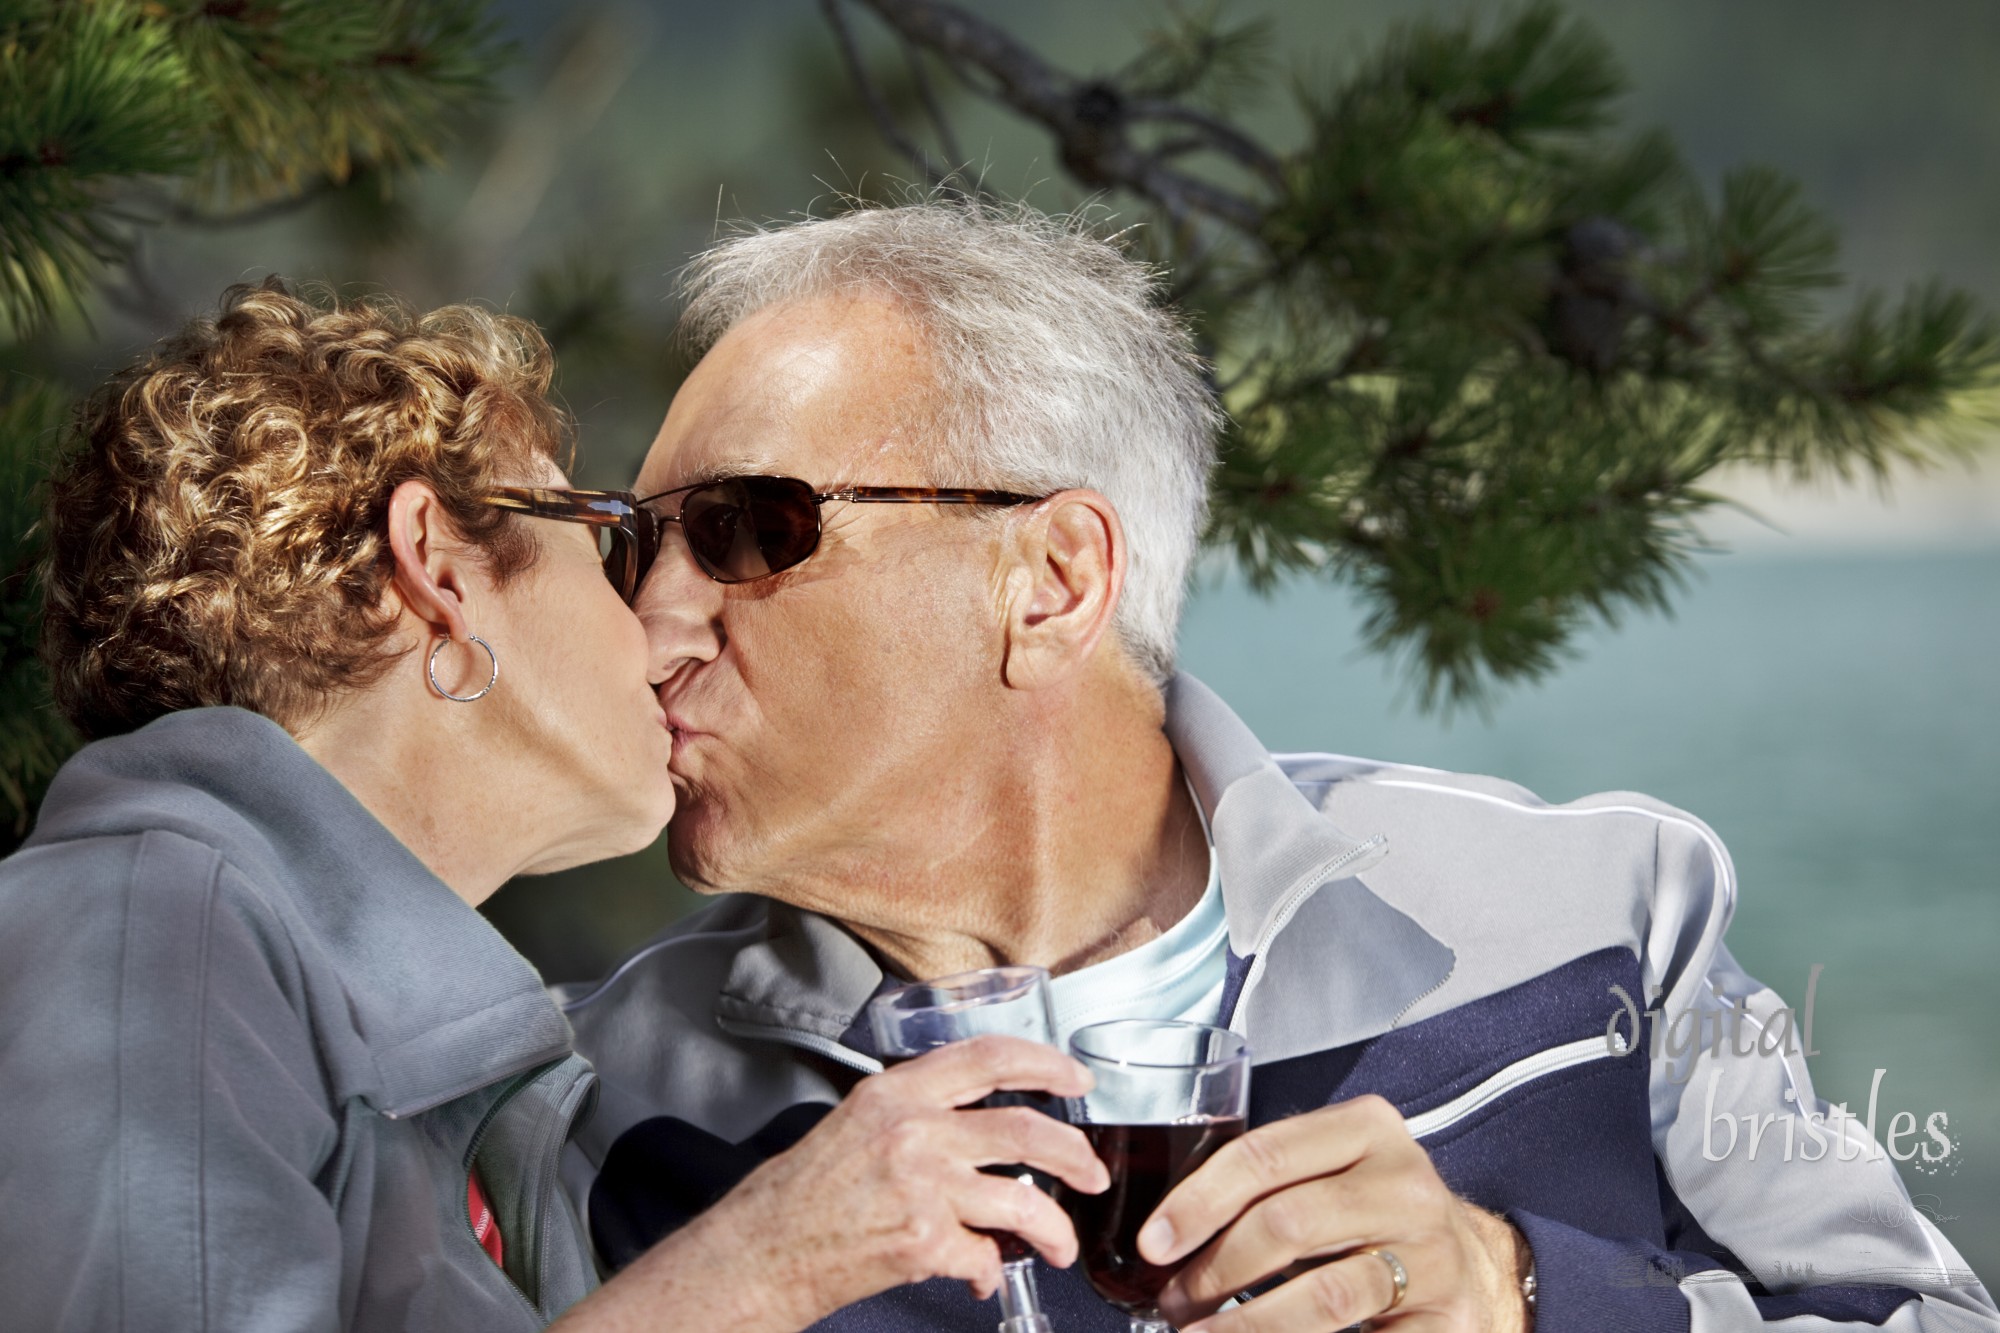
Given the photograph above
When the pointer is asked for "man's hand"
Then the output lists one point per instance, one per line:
(887, 1189)
(1328, 1185)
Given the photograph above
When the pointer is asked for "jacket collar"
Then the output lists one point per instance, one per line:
(807, 974)
(1329, 961)
(441, 1003)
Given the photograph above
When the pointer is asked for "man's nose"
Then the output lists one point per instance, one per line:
(681, 608)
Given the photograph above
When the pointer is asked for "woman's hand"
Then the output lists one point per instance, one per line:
(883, 1192)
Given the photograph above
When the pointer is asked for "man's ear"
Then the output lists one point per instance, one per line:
(432, 561)
(1067, 568)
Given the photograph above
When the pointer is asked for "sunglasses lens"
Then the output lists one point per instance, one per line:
(747, 527)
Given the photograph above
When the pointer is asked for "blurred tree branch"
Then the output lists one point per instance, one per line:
(1479, 350)
(1089, 118)
(878, 106)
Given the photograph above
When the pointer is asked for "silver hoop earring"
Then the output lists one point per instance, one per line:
(464, 698)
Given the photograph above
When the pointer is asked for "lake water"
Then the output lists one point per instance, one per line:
(1835, 718)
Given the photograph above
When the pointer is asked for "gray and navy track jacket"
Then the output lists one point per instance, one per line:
(1543, 990)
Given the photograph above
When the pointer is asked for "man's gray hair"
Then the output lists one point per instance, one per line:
(1057, 366)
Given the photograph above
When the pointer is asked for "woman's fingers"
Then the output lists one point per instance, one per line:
(965, 1071)
(971, 1259)
(1017, 1135)
(1013, 1205)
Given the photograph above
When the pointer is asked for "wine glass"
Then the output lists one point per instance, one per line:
(1010, 1002)
(1167, 1096)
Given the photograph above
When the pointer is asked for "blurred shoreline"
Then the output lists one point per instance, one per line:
(1954, 506)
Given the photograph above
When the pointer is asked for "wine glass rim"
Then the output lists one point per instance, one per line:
(1024, 978)
(1239, 1054)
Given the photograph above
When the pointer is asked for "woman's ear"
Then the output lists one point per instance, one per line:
(1069, 568)
(432, 560)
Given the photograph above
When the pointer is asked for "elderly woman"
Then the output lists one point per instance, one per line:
(344, 635)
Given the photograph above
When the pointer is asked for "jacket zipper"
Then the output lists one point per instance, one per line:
(472, 1154)
(805, 1041)
(1289, 909)
(1433, 989)
(1541, 1063)
(548, 1204)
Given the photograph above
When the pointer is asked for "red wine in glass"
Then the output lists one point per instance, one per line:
(1145, 1163)
(1168, 1096)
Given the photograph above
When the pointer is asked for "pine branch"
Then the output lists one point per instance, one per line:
(1478, 352)
(1197, 60)
(89, 95)
(305, 90)
(1541, 74)
(1908, 384)
(266, 101)
(1089, 119)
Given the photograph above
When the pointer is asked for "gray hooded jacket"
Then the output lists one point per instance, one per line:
(249, 1048)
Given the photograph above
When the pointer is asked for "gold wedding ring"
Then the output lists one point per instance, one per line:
(1397, 1274)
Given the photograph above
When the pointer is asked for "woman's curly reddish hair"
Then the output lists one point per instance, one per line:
(218, 534)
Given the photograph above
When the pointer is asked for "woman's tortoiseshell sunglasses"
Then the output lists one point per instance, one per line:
(737, 528)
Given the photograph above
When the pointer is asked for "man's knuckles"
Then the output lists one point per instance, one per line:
(1376, 1111)
(1418, 1194)
(912, 1247)
(874, 1100)
(910, 1146)
(1263, 1160)
(1341, 1294)
(1292, 1222)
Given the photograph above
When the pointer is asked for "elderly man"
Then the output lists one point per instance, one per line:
(920, 730)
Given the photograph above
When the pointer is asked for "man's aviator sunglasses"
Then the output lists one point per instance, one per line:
(737, 529)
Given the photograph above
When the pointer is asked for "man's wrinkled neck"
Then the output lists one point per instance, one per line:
(1080, 841)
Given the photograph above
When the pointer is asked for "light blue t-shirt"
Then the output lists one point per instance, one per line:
(1176, 975)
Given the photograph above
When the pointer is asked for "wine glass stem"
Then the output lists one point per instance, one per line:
(1149, 1324)
(1020, 1301)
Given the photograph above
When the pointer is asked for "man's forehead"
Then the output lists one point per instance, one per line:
(794, 393)
(741, 444)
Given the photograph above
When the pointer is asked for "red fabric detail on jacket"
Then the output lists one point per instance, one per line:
(485, 1226)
